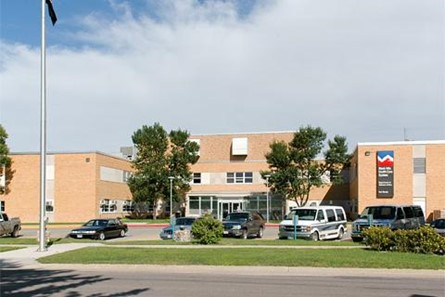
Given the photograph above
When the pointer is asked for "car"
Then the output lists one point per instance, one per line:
(392, 216)
(183, 223)
(9, 226)
(100, 229)
(315, 223)
(244, 224)
(439, 226)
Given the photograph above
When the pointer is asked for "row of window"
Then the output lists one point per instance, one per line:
(231, 178)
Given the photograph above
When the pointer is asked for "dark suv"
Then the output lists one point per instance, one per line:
(244, 224)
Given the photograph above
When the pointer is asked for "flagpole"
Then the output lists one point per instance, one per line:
(42, 231)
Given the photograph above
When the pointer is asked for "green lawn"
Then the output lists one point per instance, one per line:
(359, 258)
(237, 242)
(9, 248)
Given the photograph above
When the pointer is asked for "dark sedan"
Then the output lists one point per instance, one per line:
(100, 229)
(439, 226)
(244, 224)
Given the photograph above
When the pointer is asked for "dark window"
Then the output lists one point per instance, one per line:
(340, 215)
(239, 177)
(400, 215)
(408, 212)
(418, 213)
(197, 178)
(248, 177)
(320, 215)
(331, 215)
(230, 177)
(2, 206)
(380, 212)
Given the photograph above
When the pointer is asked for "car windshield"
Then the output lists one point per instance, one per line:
(237, 217)
(379, 212)
(184, 221)
(95, 223)
(303, 214)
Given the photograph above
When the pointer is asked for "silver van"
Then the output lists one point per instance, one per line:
(316, 223)
(392, 216)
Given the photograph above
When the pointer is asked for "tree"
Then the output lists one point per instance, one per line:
(294, 169)
(6, 171)
(159, 156)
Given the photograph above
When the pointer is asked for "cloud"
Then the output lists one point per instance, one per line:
(363, 69)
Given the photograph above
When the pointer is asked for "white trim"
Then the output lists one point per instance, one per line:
(416, 142)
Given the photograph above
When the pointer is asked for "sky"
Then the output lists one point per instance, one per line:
(369, 70)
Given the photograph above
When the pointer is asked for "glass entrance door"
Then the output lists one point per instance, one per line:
(226, 207)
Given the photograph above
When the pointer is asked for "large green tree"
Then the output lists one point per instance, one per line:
(159, 156)
(6, 172)
(295, 167)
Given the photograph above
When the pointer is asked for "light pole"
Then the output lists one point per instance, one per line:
(171, 178)
(267, 176)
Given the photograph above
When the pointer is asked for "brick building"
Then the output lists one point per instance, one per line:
(79, 186)
(416, 175)
(227, 177)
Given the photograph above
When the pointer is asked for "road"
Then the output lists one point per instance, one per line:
(200, 281)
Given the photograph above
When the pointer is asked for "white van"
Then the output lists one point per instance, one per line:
(316, 223)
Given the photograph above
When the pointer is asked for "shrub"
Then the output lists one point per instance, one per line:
(207, 230)
(379, 238)
(423, 240)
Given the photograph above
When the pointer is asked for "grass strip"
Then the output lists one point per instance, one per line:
(358, 258)
(240, 242)
(10, 248)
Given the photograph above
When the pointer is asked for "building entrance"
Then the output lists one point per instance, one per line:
(226, 207)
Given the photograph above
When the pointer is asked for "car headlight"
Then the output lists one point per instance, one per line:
(236, 227)
(74, 232)
(306, 228)
(90, 232)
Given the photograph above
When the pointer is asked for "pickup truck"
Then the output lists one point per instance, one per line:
(9, 226)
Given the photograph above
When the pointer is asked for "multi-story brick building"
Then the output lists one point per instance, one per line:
(408, 172)
(227, 177)
(81, 186)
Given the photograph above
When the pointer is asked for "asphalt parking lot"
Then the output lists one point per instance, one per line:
(138, 232)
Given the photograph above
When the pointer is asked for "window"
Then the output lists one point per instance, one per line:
(340, 214)
(108, 206)
(408, 212)
(320, 215)
(49, 206)
(197, 178)
(418, 213)
(127, 175)
(248, 177)
(128, 206)
(419, 165)
(331, 215)
(230, 177)
(2, 206)
(400, 214)
(239, 177)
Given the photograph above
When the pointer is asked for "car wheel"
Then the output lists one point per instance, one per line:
(122, 233)
(260, 233)
(102, 236)
(15, 232)
(244, 234)
(314, 236)
(341, 233)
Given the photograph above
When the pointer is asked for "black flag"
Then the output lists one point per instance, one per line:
(52, 13)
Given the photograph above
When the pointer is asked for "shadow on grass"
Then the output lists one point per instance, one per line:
(18, 281)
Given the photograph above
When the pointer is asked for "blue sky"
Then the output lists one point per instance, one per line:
(371, 70)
